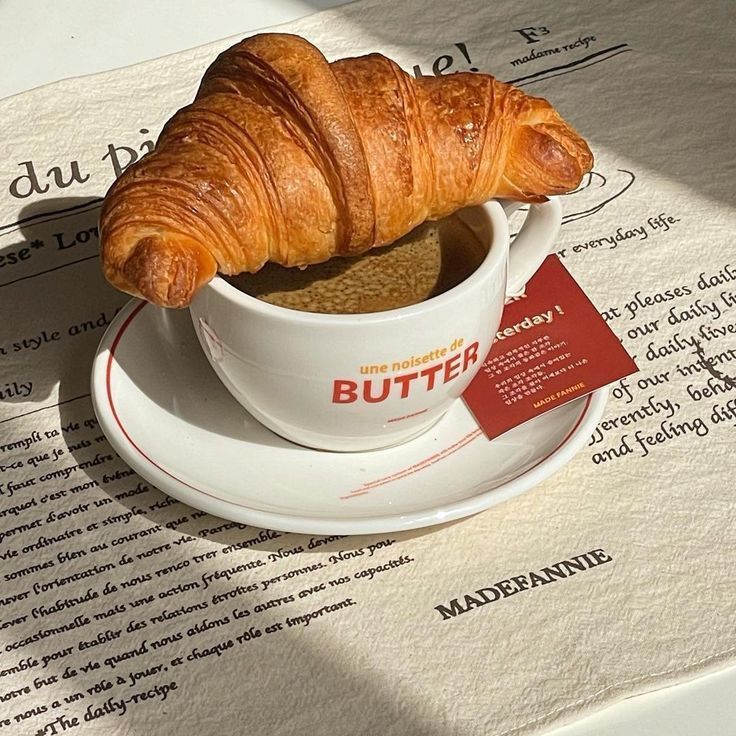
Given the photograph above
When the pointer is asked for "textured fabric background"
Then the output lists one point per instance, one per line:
(649, 236)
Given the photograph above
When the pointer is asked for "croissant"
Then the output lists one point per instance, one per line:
(285, 157)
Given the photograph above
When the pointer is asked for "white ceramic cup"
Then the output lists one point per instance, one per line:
(351, 382)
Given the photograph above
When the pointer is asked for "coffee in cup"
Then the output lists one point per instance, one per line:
(430, 260)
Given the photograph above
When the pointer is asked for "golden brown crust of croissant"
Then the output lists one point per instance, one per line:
(284, 157)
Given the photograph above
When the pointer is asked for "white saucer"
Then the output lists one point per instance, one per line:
(167, 415)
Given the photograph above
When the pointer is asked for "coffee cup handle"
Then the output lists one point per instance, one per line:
(533, 243)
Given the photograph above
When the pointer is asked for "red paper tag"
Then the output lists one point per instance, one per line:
(552, 347)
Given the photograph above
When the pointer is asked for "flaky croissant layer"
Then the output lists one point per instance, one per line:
(285, 157)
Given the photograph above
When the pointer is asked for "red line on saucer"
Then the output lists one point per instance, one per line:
(417, 467)
(110, 401)
(423, 465)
